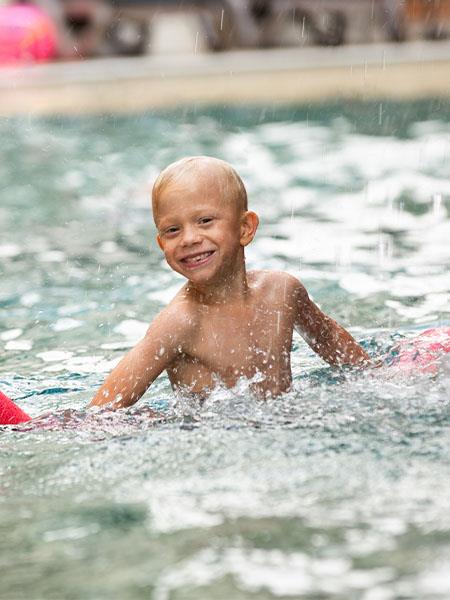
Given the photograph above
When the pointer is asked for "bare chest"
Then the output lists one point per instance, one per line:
(244, 337)
(233, 344)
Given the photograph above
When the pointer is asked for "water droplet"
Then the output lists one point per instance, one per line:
(196, 43)
(437, 205)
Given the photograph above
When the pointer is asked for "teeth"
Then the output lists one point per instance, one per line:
(198, 258)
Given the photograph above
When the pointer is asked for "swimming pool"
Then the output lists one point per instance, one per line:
(337, 490)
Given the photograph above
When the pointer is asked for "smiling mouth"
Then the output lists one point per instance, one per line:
(196, 260)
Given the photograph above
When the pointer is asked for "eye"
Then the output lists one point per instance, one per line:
(171, 231)
(205, 220)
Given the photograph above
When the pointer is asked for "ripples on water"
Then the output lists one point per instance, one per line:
(337, 490)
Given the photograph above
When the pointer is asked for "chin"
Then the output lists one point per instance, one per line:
(201, 278)
(204, 275)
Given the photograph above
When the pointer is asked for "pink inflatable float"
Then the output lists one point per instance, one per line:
(27, 34)
(422, 353)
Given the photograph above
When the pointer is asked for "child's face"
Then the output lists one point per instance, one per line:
(201, 232)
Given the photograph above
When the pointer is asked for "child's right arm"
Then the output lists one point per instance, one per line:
(330, 340)
(129, 380)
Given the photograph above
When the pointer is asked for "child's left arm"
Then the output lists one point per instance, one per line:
(326, 337)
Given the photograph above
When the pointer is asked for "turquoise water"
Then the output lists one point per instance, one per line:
(337, 490)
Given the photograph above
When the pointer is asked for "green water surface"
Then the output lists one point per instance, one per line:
(338, 490)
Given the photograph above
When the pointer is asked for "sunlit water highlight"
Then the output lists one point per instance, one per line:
(338, 490)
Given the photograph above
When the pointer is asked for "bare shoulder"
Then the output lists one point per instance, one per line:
(177, 320)
(279, 284)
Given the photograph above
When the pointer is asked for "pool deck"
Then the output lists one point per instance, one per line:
(278, 76)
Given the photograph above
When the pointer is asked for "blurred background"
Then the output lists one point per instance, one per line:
(56, 29)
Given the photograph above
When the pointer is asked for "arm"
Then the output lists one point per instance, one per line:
(129, 380)
(326, 337)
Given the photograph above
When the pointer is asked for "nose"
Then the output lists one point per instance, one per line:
(191, 236)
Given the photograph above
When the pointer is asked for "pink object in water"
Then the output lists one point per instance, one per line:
(27, 34)
(422, 353)
(10, 413)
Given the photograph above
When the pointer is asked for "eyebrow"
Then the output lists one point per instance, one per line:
(197, 212)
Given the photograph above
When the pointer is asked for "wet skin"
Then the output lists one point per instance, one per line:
(224, 323)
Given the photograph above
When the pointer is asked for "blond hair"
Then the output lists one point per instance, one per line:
(228, 179)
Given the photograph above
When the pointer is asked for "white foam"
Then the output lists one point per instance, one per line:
(73, 309)
(164, 295)
(66, 324)
(132, 329)
(71, 533)
(281, 573)
(10, 334)
(109, 247)
(30, 299)
(54, 355)
(55, 256)
(361, 284)
(166, 512)
(90, 364)
(19, 345)
(9, 250)
(73, 180)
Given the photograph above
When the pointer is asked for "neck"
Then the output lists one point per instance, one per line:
(232, 287)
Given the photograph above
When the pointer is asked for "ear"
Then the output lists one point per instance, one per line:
(160, 243)
(249, 225)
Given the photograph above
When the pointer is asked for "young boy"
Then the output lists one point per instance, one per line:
(225, 323)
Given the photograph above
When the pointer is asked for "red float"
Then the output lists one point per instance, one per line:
(10, 413)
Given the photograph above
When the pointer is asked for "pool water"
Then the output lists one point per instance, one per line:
(339, 489)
